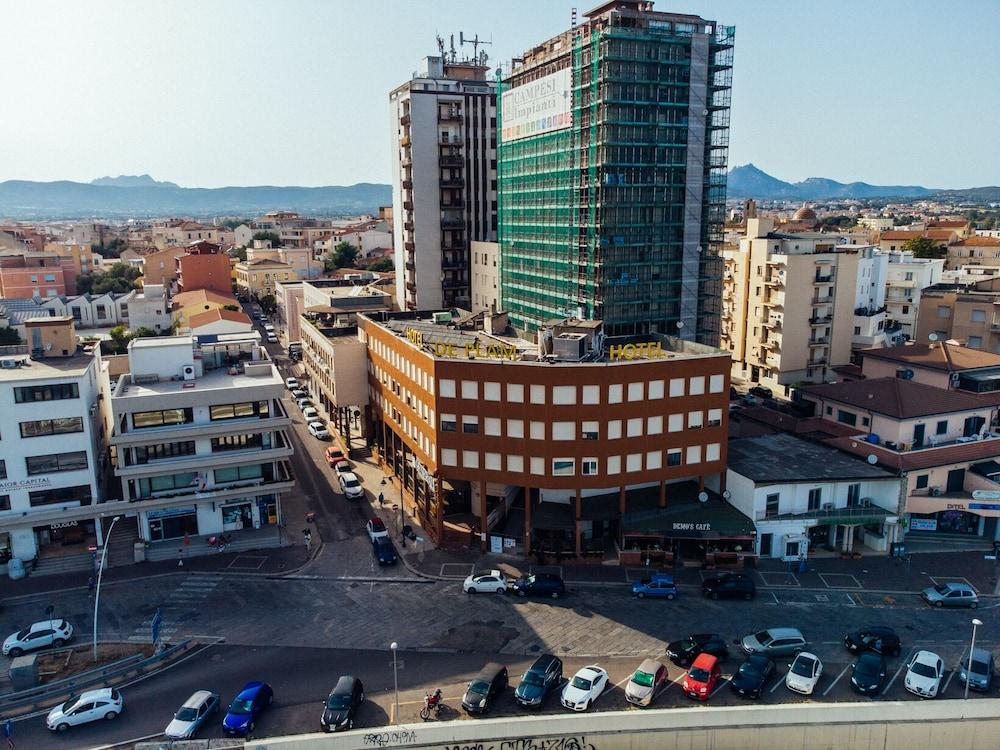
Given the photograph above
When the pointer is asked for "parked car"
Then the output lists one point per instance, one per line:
(656, 586)
(803, 673)
(542, 677)
(924, 671)
(334, 455)
(350, 485)
(384, 551)
(753, 674)
(683, 652)
(343, 467)
(729, 585)
(951, 595)
(877, 638)
(761, 391)
(92, 705)
(303, 403)
(490, 581)
(646, 682)
(342, 704)
(702, 677)
(38, 635)
(246, 708)
(585, 688)
(271, 338)
(318, 430)
(539, 584)
(868, 673)
(309, 413)
(192, 714)
(977, 669)
(291, 383)
(298, 393)
(484, 688)
(376, 529)
(774, 642)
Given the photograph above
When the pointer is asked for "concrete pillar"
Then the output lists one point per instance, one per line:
(579, 527)
(621, 499)
(701, 482)
(722, 482)
(831, 535)
(527, 521)
(483, 515)
(439, 513)
(663, 493)
(850, 538)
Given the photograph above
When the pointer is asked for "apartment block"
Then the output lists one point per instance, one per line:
(967, 314)
(258, 278)
(31, 274)
(974, 251)
(485, 276)
(204, 266)
(906, 279)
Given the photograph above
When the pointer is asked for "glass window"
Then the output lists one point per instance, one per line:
(515, 393)
(3, 469)
(588, 466)
(146, 453)
(447, 388)
(79, 493)
(538, 394)
(515, 428)
(51, 427)
(56, 462)
(563, 467)
(975, 342)
(815, 498)
(52, 392)
(470, 390)
(847, 417)
(238, 411)
(714, 417)
(772, 505)
(239, 473)
(674, 457)
(141, 419)
(449, 423)
(470, 425)
(922, 481)
(590, 430)
(240, 442)
(615, 393)
(941, 428)
(978, 316)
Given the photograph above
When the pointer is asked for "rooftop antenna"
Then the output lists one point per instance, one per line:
(452, 50)
(440, 43)
(572, 18)
(475, 42)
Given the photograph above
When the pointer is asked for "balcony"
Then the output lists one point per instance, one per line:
(454, 284)
(774, 325)
(775, 280)
(409, 247)
(449, 245)
(453, 265)
(449, 115)
(452, 182)
(773, 360)
(823, 278)
(404, 141)
(869, 312)
(408, 226)
(407, 184)
(818, 320)
(407, 205)
(450, 222)
(404, 120)
(819, 341)
(411, 266)
(775, 300)
(451, 161)
(773, 344)
(818, 362)
(817, 301)
(411, 287)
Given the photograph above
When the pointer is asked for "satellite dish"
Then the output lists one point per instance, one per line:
(703, 497)
(872, 459)
(932, 337)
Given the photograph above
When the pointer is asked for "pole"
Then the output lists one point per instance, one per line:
(395, 680)
(968, 669)
(100, 575)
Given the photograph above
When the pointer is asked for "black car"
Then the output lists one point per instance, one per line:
(342, 704)
(684, 651)
(729, 585)
(761, 391)
(542, 677)
(752, 676)
(880, 639)
(539, 584)
(869, 674)
(484, 688)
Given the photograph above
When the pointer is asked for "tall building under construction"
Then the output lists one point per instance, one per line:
(612, 172)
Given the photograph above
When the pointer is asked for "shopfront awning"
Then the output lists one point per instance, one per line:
(714, 519)
(962, 501)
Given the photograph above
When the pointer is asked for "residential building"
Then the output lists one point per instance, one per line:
(613, 200)
(967, 275)
(199, 440)
(819, 499)
(185, 232)
(942, 364)
(218, 321)
(257, 278)
(896, 239)
(188, 304)
(368, 236)
(961, 227)
(92, 310)
(150, 308)
(299, 258)
(292, 229)
(288, 299)
(964, 313)
(876, 223)
(444, 192)
(75, 258)
(30, 274)
(204, 266)
(794, 305)
(906, 279)
(51, 437)
(485, 276)
(982, 251)
(160, 266)
(579, 443)
(344, 298)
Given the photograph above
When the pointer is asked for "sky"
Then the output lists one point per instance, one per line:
(207, 93)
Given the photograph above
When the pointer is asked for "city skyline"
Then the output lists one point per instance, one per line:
(252, 103)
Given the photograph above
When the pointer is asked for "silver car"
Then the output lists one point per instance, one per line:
(646, 682)
(951, 595)
(192, 715)
(774, 642)
(977, 670)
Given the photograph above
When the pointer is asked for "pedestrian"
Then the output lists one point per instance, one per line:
(381, 499)
(90, 585)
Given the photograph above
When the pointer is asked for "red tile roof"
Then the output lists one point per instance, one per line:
(217, 314)
(978, 242)
(894, 397)
(921, 459)
(939, 355)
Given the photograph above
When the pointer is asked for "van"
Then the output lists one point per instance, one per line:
(484, 688)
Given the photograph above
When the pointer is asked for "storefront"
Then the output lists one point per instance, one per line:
(971, 516)
(237, 516)
(172, 523)
(64, 537)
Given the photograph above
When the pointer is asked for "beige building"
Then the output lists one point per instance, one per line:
(485, 276)
(795, 304)
(964, 313)
(257, 278)
(160, 267)
(976, 251)
(896, 239)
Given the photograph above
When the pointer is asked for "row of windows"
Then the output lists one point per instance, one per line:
(588, 430)
(239, 411)
(51, 427)
(403, 365)
(56, 462)
(161, 418)
(567, 467)
(570, 395)
(60, 495)
(146, 453)
(241, 442)
(52, 392)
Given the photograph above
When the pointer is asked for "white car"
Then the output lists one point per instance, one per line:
(92, 705)
(343, 467)
(38, 635)
(923, 674)
(272, 339)
(376, 529)
(585, 688)
(291, 383)
(490, 581)
(803, 673)
(303, 402)
(350, 484)
(318, 430)
(298, 394)
(192, 715)
(310, 413)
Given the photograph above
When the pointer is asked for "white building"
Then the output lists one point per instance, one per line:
(92, 310)
(802, 495)
(869, 298)
(443, 180)
(485, 276)
(906, 277)
(199, 440)
(150, 308)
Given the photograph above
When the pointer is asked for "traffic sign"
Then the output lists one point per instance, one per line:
(155, 626)
(8, 728)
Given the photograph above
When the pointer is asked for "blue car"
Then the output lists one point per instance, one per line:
(246, 708)
(656, 586)
(384, 552)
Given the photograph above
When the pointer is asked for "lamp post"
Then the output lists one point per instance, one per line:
(395, 680)
(100, 575)
(976, 622)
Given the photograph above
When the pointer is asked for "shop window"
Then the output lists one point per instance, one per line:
(772, 505)
(588, 467)
(51, 427)
(56, 462)
(674, 457)
(923, 480)
(563, 467)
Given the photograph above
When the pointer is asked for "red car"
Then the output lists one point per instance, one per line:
(702, 677)
(334, 455)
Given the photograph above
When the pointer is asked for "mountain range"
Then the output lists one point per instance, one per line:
(749, 181)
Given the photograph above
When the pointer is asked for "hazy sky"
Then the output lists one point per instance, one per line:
(225, 92)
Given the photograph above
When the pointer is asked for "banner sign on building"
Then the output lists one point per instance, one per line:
(538, 107)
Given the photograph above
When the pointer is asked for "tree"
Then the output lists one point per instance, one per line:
(241, 253)
(233, 223)
(142, 332)
(120, 278)
(342, 256)
(111, 250)
(923, 247)
(118, 339)
(268, 304)
(272, 236)
(382, 264)
(9, 337)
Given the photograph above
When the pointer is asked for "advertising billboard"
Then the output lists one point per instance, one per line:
(538, 107)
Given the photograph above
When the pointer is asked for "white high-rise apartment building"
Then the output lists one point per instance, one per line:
(907, 276)
(444, 193)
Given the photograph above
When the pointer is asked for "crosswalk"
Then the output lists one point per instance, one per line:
(188, 595)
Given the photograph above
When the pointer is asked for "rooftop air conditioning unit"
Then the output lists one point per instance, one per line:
(187, 372)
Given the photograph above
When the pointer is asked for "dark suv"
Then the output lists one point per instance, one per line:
(542, 677)
(729, 585)
(539, 584)
(684, 651)
(484, 688)
(880, 639)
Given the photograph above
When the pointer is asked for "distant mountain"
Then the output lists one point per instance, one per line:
(974, 195)
(748, 181)
(132, 180)
(143, 196)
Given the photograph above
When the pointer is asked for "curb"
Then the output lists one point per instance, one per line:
(351, 579)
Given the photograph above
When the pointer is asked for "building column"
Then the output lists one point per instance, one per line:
(621, 500)
(483, 516)
(850, 538)
(439, 513)
(722, 482)
(831, 535)
(579, 529)
(527, 521)
(701, 482)
(663, 493)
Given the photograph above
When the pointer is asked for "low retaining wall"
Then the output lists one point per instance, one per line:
(970, 725)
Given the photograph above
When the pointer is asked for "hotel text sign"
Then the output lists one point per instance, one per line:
(644, 350)
(471, 350)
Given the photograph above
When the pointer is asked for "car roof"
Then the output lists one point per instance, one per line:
(954, 586)
(982, 654)
(650, 666)
(490, 671)
(784, 633)
(666, 577)
(197, 698)
(482, 573)
(705, 661)
(348, 475)
(344, 685)
(376, 522)
(590, 670)
(870, 656)
(926, 657)
(806, 655)
(543, 662)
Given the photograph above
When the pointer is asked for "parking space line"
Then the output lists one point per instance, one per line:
(773, 596)
(623, 681)
(823, 577)
(902, 666)
(955, 670)
(778, 682)
(722, 683)
(836, 680)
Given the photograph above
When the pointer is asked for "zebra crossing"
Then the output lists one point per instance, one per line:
(177, 607)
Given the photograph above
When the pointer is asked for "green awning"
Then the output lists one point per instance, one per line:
(714, 519)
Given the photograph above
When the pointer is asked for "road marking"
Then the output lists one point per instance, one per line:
(837, 576)
(955, 671)
(850, 600)
(825, 692)
(902, 666)
(622, 682)
(722, 683)
(778, 682)
(773, 596)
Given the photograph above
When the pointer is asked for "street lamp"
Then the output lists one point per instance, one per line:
(395, 680)
(100, 574)
(976, 622)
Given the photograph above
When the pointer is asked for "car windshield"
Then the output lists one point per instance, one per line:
(337, 702)
(646, 581)
(698, 674)
(187, 714)
(763, 637)
(581, 683)
(803, 667)
(73, 700)
(479, 687)
(352, 483)
(942, 589)
(532, 678)
(924, 670)
(241, 706)
(22, 634)
(979, 667)
(529, 580)
(748, 668)
(643, 678)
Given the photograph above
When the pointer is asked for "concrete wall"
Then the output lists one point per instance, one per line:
(972, 725)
